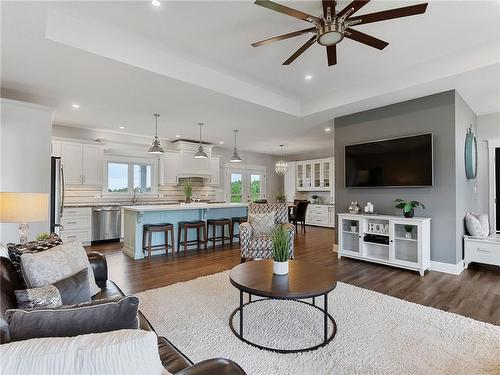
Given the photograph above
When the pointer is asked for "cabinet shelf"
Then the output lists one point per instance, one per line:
(406, 239)
(377, 234)
(349, 232)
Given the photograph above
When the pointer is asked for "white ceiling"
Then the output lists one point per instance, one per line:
(192, 61)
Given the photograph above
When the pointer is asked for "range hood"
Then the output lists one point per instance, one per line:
(188, 166)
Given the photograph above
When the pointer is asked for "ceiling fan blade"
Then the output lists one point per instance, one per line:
(329, 4)
(288, 11)
(284, 36)
(369, 40)
(331, 53)
(355, 6)
(299, 52)
(390, 14)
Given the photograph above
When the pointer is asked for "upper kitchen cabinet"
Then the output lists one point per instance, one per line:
(314, 175)
(55, 148)
(170, 163)
(214, 171)
(82, 163)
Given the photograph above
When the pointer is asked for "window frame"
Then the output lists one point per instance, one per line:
(130, 161)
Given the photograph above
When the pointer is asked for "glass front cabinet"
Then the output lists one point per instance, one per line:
(391, 240)
(315, 175)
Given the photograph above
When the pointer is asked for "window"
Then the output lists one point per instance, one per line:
(124, 175)
(245, 184)
(236, 187)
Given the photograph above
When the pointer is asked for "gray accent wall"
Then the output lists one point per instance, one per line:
(436, 114)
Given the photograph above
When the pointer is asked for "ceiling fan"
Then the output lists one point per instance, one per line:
(330, 28)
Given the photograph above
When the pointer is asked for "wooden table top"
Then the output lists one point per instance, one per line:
(304, 280)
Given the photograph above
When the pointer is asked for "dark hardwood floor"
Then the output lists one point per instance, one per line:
(475, 293)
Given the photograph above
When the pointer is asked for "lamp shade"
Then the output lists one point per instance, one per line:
(23, 207)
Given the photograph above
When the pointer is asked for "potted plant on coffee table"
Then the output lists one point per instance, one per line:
(408, 207)
(281, 250)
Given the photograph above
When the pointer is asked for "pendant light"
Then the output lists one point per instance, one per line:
(200, 154)
(281, 166)
(236, 156)
(155, 147)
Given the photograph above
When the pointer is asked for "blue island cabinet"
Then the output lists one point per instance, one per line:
(136, 216)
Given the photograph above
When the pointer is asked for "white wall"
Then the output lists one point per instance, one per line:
(25, 134)
(488, 127)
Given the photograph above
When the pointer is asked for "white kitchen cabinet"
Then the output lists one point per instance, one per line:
(214, 162)
(314, 175)
(289, 182)
(82, 163)
(76, 224)
(320, 215)
(71, 158)
(170, 165)
(55, 148)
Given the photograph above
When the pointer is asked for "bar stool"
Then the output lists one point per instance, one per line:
(237, 220)
(147, 237)
(184, 226)
(222, 222)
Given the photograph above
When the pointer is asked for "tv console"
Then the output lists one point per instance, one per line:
(384, 239)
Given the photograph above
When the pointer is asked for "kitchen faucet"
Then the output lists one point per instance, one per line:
(136, 198)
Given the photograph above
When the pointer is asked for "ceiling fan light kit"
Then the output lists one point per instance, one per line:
(332, 27)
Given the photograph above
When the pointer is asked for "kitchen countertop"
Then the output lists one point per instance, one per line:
(182, 206)
(125, 203)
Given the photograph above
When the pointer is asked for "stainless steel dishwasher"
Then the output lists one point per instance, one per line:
(106, 223)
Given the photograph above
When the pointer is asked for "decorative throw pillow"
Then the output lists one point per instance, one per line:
(60, 262)
(131, 352)
(95, 317)
(262, 223)
(16, 250)
(477, 225)
(74, 289)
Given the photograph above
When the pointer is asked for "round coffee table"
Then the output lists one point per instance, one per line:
(304, 281)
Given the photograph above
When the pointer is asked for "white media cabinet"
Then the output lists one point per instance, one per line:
(382, 239)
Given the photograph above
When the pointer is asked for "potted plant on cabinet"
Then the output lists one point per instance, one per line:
(187, 187)
(408, 231)
(408, 207)
(280, 251)
(280, 197)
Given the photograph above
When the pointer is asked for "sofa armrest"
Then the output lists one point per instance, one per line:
(245, 232)
(217, 366)
(99, 266)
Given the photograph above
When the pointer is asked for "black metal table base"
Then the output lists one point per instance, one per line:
(324, 310)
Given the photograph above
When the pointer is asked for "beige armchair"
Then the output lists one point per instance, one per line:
(255, 245)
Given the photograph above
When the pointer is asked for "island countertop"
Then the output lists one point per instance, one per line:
(182, 206)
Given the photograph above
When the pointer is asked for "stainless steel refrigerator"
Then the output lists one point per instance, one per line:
(56, 194)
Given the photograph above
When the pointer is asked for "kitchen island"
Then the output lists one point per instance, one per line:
(135, 217)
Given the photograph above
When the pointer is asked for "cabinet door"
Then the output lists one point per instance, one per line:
(92, 165)
(300, 176)
(331, 216)
(350, 235)
(214, 171)
(308, 175)
(71, 157)
(325, 175)
(171, 164)
(405, 242)
(316, 173)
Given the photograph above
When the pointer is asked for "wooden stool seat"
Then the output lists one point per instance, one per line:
(237, 220)
(184, 226)
(222, 222)
(147, 237)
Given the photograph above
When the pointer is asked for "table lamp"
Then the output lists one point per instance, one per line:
(23, 208)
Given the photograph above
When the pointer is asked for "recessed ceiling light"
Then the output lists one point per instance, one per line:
(221, 142)
(308, 77)
(75, 105)
(177, 136)
(328, 130)
(122, 127)
(156, 3)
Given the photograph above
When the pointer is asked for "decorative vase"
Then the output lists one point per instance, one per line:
(408, 235)
(409, 214)
(188, 200)
(354, 228)
(280, 268)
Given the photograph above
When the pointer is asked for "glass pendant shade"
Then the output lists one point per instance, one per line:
(281, 167)
(200, 154)
(155, 146)
(236, 158)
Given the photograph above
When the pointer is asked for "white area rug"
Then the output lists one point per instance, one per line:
(377, 334)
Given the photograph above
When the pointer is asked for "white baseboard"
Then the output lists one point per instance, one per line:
(454, 269)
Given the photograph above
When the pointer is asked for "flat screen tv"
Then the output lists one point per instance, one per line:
(395, 162)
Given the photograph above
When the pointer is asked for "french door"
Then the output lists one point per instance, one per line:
(245, 185)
